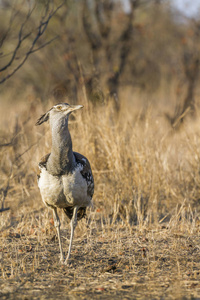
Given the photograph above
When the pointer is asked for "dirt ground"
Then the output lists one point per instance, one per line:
(108, 261)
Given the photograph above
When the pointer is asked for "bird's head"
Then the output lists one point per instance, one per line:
(58, 111)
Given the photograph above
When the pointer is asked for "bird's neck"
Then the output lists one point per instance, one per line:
(61, 159)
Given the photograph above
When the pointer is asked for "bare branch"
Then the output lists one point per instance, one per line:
(44, 45)
(103, 11)
(6, 144)
(39, 32)
(20, 40)
(93, 38)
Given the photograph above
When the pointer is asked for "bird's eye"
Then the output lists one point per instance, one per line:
(59, 107)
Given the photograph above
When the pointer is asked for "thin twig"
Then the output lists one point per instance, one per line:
(40, 31)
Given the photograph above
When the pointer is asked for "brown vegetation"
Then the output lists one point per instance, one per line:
(141, 237)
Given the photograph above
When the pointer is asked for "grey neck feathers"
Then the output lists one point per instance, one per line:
(61, 159)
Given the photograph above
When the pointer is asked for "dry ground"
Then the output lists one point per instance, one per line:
(140, 240)
(112, 262)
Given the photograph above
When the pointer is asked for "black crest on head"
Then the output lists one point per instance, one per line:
(43, 118)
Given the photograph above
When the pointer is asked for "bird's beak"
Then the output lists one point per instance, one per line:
(75, 107)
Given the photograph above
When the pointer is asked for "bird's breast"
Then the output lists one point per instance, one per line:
(65, 190)
(75, 187)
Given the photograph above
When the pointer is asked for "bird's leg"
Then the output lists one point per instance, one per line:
(57, 225)
(73, 224)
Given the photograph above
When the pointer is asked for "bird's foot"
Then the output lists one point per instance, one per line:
(62, 259)
(67, 262)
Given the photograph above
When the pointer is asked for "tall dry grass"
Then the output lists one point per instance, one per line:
(145, 173)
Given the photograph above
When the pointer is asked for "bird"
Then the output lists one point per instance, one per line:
(65, 178)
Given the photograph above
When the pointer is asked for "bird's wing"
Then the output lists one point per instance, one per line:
(86, 172)
(43, 161)
(80, 214)
(42, 164)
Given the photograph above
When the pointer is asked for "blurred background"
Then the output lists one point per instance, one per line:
(144, 52)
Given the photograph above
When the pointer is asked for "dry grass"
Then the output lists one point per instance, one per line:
(140, 239)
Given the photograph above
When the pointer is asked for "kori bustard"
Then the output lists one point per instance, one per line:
(65, 180)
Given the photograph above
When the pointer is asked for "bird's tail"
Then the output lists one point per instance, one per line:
(80, 214)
